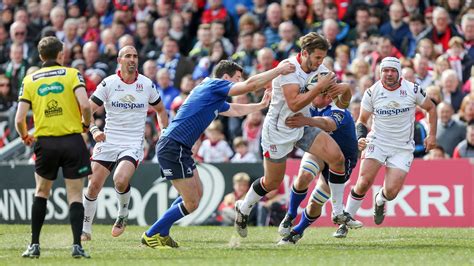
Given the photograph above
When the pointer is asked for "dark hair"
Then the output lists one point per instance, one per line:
(226, 67)
(49, 48)
(313, 41)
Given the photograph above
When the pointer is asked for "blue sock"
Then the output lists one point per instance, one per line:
(296, 197)
(304, 223)
(179, 199)
(163, 225)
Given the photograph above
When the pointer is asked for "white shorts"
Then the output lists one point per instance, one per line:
(391, 157)
(104, 151)
(278, 152)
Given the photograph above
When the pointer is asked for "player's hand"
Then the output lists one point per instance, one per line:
(337, 89)
(430, 143)
(362, 144)
(267, 97)
(28, 140)
(99, 136)
(297, 120)
(286, 68)
(325, 81)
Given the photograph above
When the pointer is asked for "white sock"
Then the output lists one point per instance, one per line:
(380, 199)
(353, 204)
(90, 206)
(249, 201)
(123, 202)
(337, 195)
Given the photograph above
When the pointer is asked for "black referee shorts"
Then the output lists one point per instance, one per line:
(68, 152)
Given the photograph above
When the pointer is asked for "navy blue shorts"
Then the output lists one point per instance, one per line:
(175, 159)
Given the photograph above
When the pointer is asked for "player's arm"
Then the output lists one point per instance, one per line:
(161, 114)
(430, 140)
(236, 109)
(297, 101)
(81, 97)
(260, 80)
(362, 128)
(341, 93)
(20, 123)
(97, 134)
(299, 120)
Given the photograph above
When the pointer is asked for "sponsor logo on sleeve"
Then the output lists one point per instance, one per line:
(80, 77)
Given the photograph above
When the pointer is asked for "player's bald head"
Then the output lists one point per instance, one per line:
(126, 49)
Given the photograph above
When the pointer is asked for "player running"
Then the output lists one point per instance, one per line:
(202, 106)
(392, 102)
(340, 124)
(126, 96)
(278, 140)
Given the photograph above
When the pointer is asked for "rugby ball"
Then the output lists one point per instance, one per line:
(313, 79)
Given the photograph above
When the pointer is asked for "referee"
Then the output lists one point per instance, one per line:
(61, 111)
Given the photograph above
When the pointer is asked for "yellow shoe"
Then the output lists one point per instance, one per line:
(157, 241)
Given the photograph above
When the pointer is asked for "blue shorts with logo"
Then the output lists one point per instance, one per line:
(175, 159)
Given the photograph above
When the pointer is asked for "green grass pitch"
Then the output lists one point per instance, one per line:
(221, 246)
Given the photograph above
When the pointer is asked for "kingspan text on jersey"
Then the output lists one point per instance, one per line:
(127, 105)
(392, 111)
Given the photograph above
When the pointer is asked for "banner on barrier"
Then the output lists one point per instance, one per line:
(436, 194)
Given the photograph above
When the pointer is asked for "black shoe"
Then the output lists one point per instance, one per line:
(346, 219)
(379, 212)
(285, 226)
(341, 231)
(78, 252)
(292, 238)
(33, 251)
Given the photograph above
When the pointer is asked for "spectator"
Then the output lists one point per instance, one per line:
(423, 76)
(142, 35)
(342, 60)
(246, 55)
(449, 131)
(178, 65)
(416, 25)
(206, 64)
(18, 33)
(57, 17)
(167, 91)
(271, 209)
(330, 31)
(465, 149)
(242, 153)
(7, 99)
(15, 68)
(150, 70)
(203, 45)
(466, 111)
(216, 11)
(218, 32)
(154, 46)
(273, 22)
(460, 61)
(442, 31)
(226, 210)
(252, 131)
(177, 32)
(363, 29)
(95, 69)
(3, 44)
(187, 85)
(467, 27)
(395, 29)
(451, 89)
(287, 45)
(259, 11)
(441, 64)
(265, 60)
(436, 153)
(215, 149)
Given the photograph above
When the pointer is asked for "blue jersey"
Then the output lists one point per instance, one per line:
(344, 135)
(202, 106)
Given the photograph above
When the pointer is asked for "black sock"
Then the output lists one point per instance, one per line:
(38, 212)
(259, 189)
(76, 216)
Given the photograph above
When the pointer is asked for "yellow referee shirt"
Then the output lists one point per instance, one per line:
(50, 92)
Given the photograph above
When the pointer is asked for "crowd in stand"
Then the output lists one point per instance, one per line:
(180, 41)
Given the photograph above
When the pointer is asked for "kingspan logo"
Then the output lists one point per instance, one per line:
(54, 87)
(392, 108)
(127, 102)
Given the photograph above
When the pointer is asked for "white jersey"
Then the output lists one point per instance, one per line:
(274, 127)
(393, 113)
(126, 107)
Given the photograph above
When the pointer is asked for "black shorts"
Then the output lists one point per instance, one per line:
(68, 152)
(175, 159)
